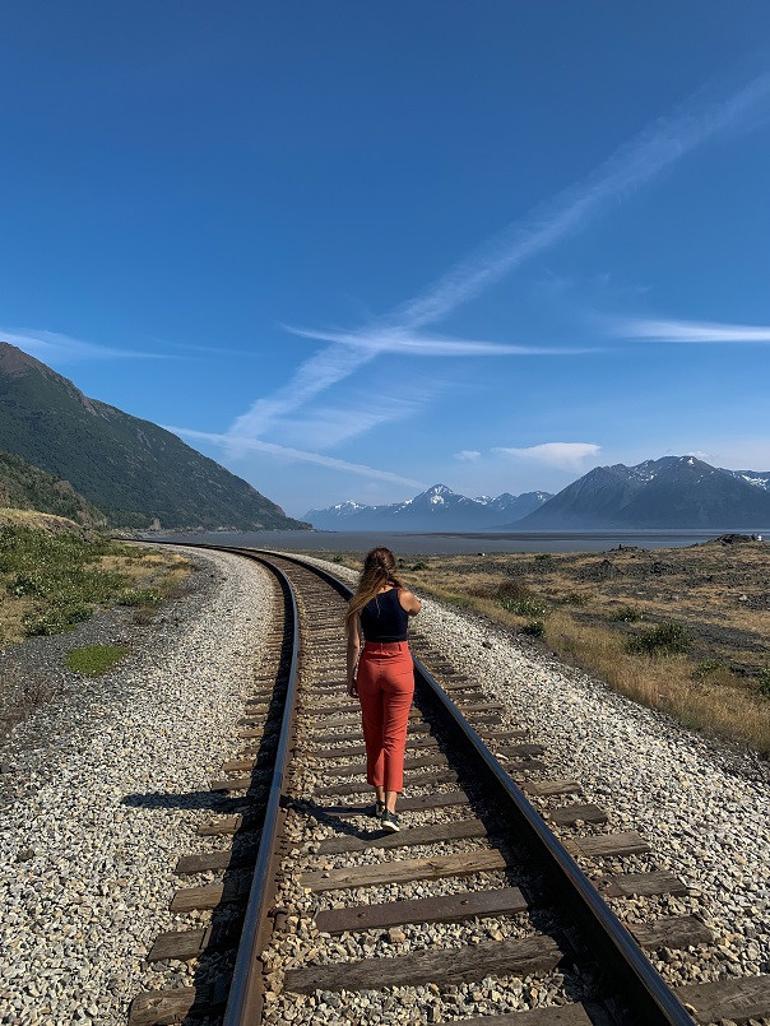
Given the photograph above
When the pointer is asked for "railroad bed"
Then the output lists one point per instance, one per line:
(475, 912)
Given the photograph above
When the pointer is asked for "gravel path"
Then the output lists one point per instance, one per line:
(112, 792)
(703, 806)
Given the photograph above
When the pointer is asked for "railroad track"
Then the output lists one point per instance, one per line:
(476, 886)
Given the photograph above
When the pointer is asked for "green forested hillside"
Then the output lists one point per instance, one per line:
(131, 469)
(23, 486)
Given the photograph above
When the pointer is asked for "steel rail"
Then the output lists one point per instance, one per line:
(657, 1003)
(245, 998)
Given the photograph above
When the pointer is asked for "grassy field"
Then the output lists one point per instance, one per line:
(52, 577)
(55, 575)
(684, 630)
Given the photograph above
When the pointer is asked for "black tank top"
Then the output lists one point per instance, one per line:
(383, 618)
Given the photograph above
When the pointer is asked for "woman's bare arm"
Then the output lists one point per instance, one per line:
(409, 602)
(354, 651)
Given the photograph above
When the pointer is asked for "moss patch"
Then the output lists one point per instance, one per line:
(94, 660)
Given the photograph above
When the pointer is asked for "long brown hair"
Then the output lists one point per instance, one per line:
(379, 569)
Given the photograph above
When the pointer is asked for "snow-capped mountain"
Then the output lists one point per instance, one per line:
(671, 492)
(436, 509)
(757, 478)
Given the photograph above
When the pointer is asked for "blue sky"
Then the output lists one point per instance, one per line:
(351, 249)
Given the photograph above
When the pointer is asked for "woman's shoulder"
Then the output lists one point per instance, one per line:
(408, 600)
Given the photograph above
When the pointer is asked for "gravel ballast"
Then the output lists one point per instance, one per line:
(112, 791)
(702, 805)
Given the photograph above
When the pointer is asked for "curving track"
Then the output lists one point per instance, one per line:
(469, 832)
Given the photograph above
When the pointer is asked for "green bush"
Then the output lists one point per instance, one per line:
(706, 667)
(56, 619)
(419, 565)
(59, 573)
(625, 614)
(524, 606)
(764, 682)
(543, 557)
(535, 628)
(663, 639)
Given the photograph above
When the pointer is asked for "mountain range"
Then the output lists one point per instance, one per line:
(671, 492)
(134, 471)
(436, 509)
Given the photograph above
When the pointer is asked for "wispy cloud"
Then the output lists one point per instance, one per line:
(563, 455)
(690, 331)
(331, 425)
(468, 455)
(394, 340)
(53, 347)
(293, 455)
(315, 375)
(631, 166)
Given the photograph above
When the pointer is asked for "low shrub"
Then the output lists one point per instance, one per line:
(663, 639)
(625, 614)
(525, 606)
(140, 597)
(534, 628)
(420, 565)
(764, 682)
(56, 619)
(707, 667)
(63, 578)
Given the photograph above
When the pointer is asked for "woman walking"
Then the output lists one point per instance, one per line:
(382, 675)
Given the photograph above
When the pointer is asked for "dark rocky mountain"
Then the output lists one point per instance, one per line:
(23, 486)
(131, 469)
(436, 509)
(671, 492)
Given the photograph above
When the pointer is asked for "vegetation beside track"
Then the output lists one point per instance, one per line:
(94, 660)
(683, 630)
(54, 576)
(52, 580)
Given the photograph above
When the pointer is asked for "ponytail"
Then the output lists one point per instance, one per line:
(379, 569)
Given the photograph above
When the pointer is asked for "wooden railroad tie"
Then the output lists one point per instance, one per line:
(429, 834)
(435, 868)
(510, 957)
(442, 909)
(438, 800)
(446, 776)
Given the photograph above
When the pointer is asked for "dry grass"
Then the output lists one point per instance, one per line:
(145, 569)
(140, 577)
(719, 594)
(48, 522)
(721, 702)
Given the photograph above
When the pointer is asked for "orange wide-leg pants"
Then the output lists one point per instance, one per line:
(385, 688)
